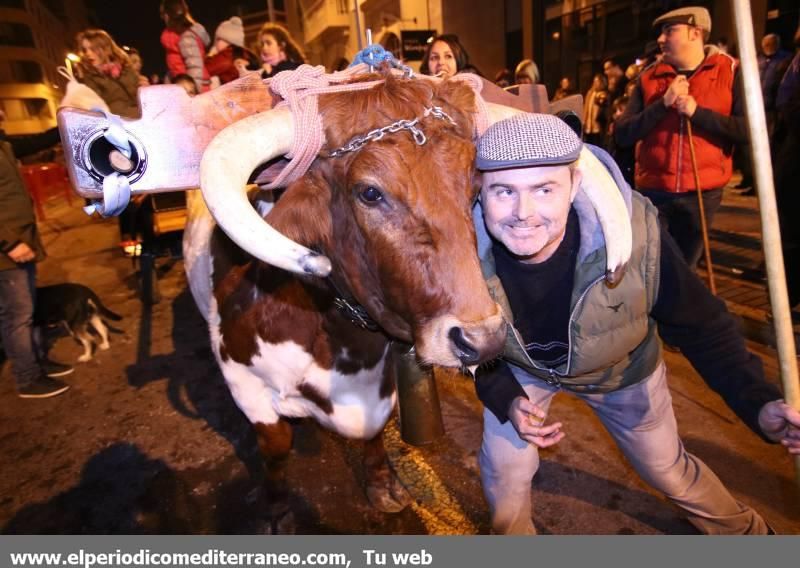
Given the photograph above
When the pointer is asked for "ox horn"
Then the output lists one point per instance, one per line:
(605, 197)
(226, 166)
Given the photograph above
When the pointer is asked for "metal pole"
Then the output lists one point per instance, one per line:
(712, 285)
(358, 25)
(773, 255)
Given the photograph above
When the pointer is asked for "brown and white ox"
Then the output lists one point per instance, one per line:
(388, 226)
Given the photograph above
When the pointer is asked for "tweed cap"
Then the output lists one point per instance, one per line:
(696, 16)
(526, 140)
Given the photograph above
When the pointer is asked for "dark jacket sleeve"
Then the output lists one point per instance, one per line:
(27, 145)
(691, 318)
(638, 120)
(497, 388)
(732, 128)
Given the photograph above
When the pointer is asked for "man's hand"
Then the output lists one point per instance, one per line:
(528, 419)
(781, 423)
(686, 105)
(678, 87)
(21, 253)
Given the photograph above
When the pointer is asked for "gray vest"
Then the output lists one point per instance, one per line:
(613, 341)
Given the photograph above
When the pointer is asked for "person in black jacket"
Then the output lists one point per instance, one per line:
(279, 52)
(20, 250)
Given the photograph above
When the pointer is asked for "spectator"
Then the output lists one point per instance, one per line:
(20, 250)
(187, 83)
(692, 83)
(279, 52)
(624, 156)
(445, 56)
(184, 41)
(772, 64)
(228, 58)
(615, 78)
(594, 111)
(565, 89)
(632, 73)
(785, 150)
(136, 62)
(503, 78)
(107, 70)
(527, 73)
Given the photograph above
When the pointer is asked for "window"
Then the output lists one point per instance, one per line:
(56, 8)
(26, 109)
(17, 35)
(20, 72)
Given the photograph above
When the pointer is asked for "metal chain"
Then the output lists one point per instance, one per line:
(359, 142)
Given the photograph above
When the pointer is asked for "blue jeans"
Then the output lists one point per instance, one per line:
(679, 214)
(641, 421)
(17, 295)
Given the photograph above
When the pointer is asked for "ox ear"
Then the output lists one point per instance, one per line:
(459, 100)
(303, 212)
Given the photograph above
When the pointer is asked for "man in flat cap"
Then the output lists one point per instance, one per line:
(543, 254)
(696, 83)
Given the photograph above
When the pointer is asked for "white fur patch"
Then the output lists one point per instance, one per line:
(269, 388)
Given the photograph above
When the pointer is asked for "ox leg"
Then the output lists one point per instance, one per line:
(384, 489)
(275, 443)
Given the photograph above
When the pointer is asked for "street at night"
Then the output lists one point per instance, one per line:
(148, 439)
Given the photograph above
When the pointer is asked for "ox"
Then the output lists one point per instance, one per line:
(389, 225)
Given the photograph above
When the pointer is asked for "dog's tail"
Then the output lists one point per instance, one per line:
(104, 310)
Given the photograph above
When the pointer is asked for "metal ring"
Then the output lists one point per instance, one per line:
(138, 152)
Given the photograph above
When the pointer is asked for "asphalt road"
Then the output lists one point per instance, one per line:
(149, 441)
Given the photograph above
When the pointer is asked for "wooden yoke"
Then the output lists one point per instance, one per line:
(172, 134)
(168, 141)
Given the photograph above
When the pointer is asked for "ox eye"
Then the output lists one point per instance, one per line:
(370, 195)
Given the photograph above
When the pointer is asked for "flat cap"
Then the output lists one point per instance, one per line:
(696, 16)
(526, 140)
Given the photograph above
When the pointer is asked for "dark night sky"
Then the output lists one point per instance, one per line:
(137, 24)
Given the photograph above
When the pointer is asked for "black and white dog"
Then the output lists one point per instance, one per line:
(77, 308)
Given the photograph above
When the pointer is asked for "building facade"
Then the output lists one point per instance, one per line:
(330, 32)
(35, 37)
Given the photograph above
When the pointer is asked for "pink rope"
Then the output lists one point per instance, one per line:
(300, 89)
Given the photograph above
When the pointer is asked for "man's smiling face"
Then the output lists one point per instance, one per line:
(526, 209)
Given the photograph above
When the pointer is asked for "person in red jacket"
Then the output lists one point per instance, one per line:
(693, 83)
(184, 41)
(228, 58)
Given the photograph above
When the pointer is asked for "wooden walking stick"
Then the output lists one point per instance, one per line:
(703, 225)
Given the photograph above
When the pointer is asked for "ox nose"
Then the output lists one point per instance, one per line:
(466, 352)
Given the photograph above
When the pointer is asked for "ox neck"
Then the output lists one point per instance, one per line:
(354, 312)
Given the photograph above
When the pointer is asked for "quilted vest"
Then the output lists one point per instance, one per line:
(613, 341)
(663, 159)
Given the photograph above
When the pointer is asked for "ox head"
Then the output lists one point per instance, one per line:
(390, 222)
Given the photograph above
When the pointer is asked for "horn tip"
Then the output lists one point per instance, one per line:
(614, 275)
(316, 265)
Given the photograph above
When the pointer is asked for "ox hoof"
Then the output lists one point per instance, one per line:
(389, 498)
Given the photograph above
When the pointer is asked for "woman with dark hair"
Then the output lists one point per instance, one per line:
(106, 69)
(185, 42)
(279, 52)
(446, 56)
